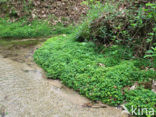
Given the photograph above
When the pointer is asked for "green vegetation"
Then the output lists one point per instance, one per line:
(140, 98)
(61, 29)
(131, 23)
(24, 29)
(100, 77)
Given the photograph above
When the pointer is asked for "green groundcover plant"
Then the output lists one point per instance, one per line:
(24, 29)
(103, 77)
(142, 100)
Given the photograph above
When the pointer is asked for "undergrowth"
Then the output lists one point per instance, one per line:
(141, 99)
(104, 77)
(125, 22)
(24, 29)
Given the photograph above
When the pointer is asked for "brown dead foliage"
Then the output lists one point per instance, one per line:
(55, 11)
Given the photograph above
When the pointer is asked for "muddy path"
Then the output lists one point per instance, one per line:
(26, 92)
